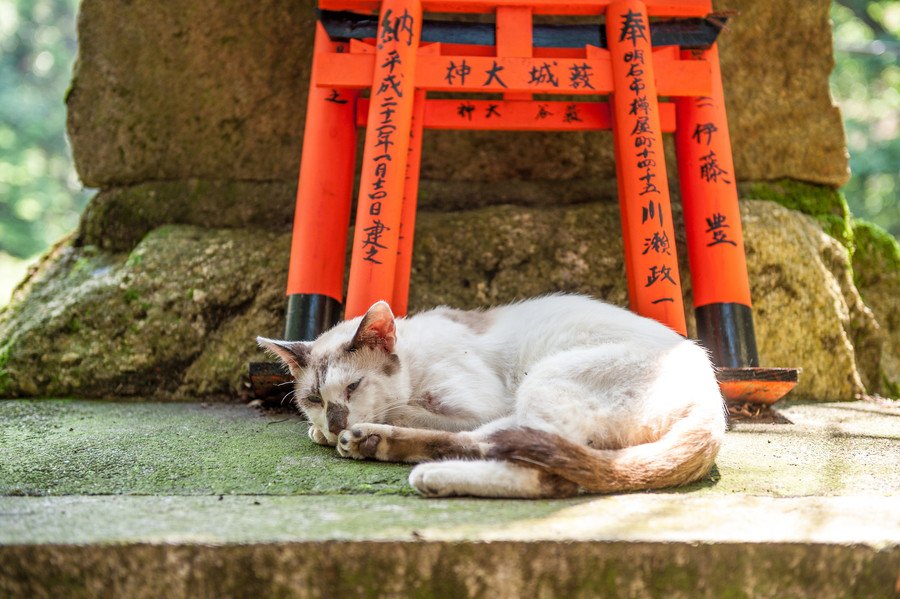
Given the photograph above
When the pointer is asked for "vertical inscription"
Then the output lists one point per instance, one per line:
(396, 31)
(633, 32)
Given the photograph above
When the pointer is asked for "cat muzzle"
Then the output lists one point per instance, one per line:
(337, 418)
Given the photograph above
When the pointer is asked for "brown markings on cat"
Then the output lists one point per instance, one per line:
(556, 486)
(321, 368)
(602, 471)
(433, 404)
(391, 365)
(419, 445)
(477, 321)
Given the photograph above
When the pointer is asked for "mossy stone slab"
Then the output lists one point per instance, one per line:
(60, 447)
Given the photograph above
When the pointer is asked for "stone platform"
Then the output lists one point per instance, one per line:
(194, 500)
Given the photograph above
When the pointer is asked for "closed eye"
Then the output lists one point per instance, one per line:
(352, 386)
(314, 398)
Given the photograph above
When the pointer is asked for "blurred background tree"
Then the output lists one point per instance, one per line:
(866, 85)
(41, 197)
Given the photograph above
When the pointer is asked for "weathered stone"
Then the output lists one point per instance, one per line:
(807, 312)
(775, 67)
(827, 205)
(118, 218)
(435, 570)
(164, 90)
(876, 271)
(176, 316)
(94, 323)
(218, 91)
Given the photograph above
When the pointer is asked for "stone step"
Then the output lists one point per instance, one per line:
(187, 500)
(647, 545)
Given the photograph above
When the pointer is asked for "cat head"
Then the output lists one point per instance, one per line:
(349, 374)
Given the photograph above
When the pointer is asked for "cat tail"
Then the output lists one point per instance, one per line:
(682, 455)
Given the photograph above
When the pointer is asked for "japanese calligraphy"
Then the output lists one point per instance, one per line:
(633, 28)
(465, 110)
(335, 97)
(491, 111)
(702, 129)
(393, 29)
(393, 59)
(542, 112)
(710, 169)
(642, 133)
(455, 72)
(717, 224)
(652, 211)
(543, 74)
(658, 243)
(493, 75)
(572, 115)
(660, 273)
(389, 83)
(580, 76)
(372, 242)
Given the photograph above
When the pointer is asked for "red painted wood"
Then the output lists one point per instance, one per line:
(373, 260)
(322, 215)
(648, 234)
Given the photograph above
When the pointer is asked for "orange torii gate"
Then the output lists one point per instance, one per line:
(398, 65)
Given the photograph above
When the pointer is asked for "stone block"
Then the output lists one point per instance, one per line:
(217, 90)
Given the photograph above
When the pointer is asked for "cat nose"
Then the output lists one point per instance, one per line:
(336, 415)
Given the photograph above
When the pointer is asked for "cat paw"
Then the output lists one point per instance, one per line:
(362, 441)
(433, 480)
(318, 436)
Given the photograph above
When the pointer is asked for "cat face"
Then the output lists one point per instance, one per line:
(346, 377)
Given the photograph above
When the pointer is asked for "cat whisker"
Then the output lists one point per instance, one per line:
(287, 395)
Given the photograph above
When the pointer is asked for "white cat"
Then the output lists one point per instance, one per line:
(535, 399)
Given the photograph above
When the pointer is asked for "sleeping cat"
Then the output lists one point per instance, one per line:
(541, 398)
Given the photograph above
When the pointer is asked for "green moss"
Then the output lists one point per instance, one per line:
(878, 249)
(74, 326)
(825, 204)
(182, 449)
(5, 352)
(135, 259)
(876, 273)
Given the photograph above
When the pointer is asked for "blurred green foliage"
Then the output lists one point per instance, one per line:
(40, 195)
(866, 85)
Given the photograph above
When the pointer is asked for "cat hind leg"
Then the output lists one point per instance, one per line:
(487, 478)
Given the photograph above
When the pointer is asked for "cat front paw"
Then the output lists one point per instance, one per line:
(317, 436)
(363, 441)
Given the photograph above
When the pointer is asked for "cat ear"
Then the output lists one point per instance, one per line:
(295, 354)
(377, 329)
